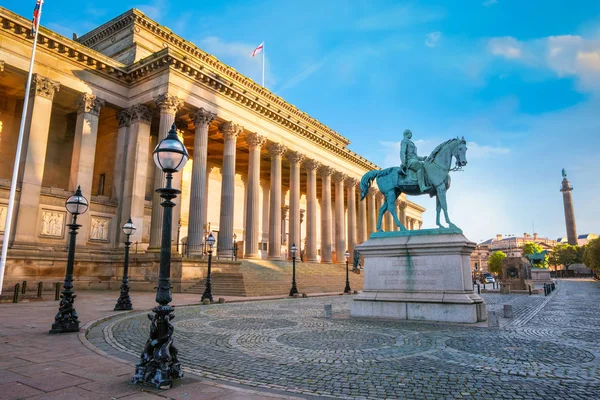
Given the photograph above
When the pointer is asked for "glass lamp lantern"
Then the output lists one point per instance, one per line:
(294, 249)
(170, 155)
(129, 228)
(77, 204)
(210, 241)
(347, 255)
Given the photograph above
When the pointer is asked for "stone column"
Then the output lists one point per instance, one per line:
(134, 167)
(198, 189)
(84, 153)
(295, 159)
(403, 213)
(168, 106)
(340, 223)
(325, 173)
(372, 210)
(571, 227)
(181, 127)
(230, 133)
(284, 216)
(33, 157)
(255, 143)
(311, 209)
(276, 150)
(362, 220)
(352, 183)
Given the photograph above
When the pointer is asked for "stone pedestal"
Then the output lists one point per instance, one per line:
(419, 275)
(539, 276)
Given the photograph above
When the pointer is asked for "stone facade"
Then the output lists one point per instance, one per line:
(95, 119)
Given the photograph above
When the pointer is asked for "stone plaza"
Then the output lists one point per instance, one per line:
(550, 348)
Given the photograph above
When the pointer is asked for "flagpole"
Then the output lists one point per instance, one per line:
(13, 184)
(263, 53)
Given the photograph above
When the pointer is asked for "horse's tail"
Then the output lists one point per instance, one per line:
(365, 182)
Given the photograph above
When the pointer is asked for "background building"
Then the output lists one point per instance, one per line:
(262, 173)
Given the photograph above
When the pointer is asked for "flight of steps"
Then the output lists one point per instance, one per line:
(269, 278)
(223, 284)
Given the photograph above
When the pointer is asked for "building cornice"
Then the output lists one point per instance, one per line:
(140, 20)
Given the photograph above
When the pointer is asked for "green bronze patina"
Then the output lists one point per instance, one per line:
(417, 176)
(537, 259)
(420, 232)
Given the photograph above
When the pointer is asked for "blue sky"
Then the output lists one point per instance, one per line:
(519, 79)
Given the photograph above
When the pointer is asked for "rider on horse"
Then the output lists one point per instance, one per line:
(411, 161)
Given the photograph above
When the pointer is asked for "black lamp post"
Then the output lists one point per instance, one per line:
(158, 363)
(234, 247)
(66, 319)
(347, 289)
(294, 289)
(124, 302)
(210, 241)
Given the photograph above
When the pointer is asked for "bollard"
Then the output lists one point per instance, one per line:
(493, 321)
(508, 311)
(545, 290)
(206, 302)
(529, 289)
(24, 287)
(553, 286)
(40, 289)
(57, 291)
(221, 300)
(483, 285)
(16, 293)
(478, 289)
(328, 311)
(304, 296)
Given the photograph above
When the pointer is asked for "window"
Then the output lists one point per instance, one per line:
(101, 184)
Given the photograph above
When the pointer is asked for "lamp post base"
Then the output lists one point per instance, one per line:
(159, 365)
(65, 327)
(67, 319)
(293, 290)
(124, 301)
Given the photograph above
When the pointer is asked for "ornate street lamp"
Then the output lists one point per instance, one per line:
(294, 289)
(210, 241)
(347, 289)
(234, 247)
(158, 364)
(124, 302)
(67, 320)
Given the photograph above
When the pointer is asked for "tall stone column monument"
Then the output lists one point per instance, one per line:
(566, 189)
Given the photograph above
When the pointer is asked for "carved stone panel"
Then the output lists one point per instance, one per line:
(3, 211)
(53, 223)
(100, 229)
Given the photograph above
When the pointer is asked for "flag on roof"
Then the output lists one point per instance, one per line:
(258, 49)
(37, 13)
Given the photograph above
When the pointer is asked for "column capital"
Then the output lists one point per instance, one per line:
(372, 191)
(89, 103)
(167, 103)
(294, 157)
(402, 204)
(140, 113)
(324, 170)
(123, 118)
(339, 177)
(203, 117)
(230, 131)
(255, 140)
(311, 164)
(284, 211)
(379, 195)
(42, 86)
(276, 149)
(352, 182)
(181, 125)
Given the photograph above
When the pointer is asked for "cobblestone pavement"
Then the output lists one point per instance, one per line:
(549, 350)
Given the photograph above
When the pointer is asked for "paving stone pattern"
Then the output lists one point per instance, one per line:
(549, 350)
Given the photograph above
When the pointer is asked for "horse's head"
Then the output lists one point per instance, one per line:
(459, 152)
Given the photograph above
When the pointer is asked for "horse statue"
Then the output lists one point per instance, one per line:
(537, 258)
(393, 181)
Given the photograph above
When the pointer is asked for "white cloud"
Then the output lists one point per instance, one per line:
(489, 3)
(432, 39)
(479, 151)
(238, 56)
(507, 47)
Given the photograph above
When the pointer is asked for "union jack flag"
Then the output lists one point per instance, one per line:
(37, 13)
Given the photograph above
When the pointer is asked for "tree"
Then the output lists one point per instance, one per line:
(565, 254)
(591, 255)
(531, 248)
(495, 262)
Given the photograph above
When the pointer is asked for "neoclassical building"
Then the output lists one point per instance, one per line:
(262, 173)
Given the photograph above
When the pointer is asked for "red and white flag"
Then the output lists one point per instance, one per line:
(37, 13)
(258, 49)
